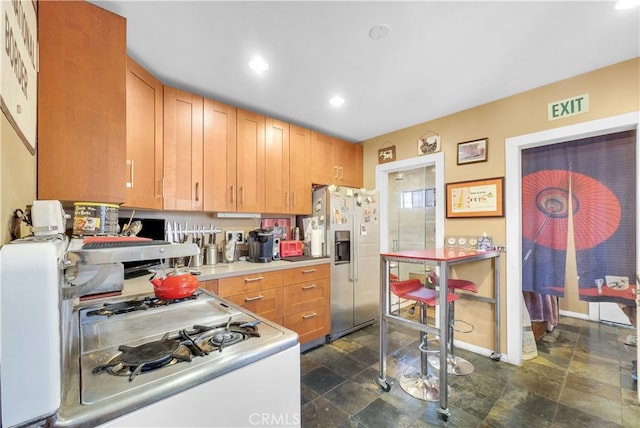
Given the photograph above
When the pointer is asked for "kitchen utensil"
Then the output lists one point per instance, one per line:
(210, 254)
(176, 285)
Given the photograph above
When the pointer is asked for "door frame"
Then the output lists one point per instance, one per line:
(382, 185)
(513, 212)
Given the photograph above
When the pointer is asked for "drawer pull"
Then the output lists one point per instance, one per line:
(258, 278)
(251, 299)
(311, 315)
(309, 287)
(309, 270)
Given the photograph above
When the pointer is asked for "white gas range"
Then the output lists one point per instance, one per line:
(135, 360)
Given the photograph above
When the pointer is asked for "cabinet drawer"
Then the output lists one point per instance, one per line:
(249, 283)
(267, 303)
(306, 295)
(303, 274)
(310, 324)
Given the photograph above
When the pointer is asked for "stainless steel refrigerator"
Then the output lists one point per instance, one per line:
(349, 219)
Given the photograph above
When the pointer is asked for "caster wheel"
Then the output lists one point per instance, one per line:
(386, 387)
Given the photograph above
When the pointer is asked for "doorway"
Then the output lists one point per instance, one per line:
(411, 209)
(513, 157)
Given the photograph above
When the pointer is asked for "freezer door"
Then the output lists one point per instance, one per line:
(340, 221)
(366, 238)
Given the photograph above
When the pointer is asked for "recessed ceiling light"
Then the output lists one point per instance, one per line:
(379, 31)
(258, 65)
(627, 4)
(336, 101)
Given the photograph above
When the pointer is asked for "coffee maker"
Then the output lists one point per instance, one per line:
(260, 243)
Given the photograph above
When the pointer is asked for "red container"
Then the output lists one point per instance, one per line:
(290, 248)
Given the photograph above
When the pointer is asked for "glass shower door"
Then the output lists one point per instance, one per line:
(411, 215)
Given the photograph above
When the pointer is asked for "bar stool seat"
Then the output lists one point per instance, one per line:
(420, 385)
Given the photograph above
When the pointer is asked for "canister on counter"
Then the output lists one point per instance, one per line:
(92, 218)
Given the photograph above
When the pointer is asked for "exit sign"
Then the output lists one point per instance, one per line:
(568, 107)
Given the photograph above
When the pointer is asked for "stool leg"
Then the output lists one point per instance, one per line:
(455, 365)
(421, 385)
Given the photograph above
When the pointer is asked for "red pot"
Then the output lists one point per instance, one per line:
(175, 286)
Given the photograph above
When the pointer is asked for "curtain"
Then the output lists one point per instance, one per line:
(589, 184)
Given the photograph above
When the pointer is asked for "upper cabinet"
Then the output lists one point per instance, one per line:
(250, 173)
(81, 145)
(277, 164)
(183, 140)
(144, 138)
(299, 174)
(335, 161)
(322, 167)
(219, 157)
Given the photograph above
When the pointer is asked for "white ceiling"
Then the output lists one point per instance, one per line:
(439, 58)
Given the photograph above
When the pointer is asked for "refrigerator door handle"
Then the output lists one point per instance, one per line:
(354, 257)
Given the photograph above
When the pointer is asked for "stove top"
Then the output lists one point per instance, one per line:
(135, 346)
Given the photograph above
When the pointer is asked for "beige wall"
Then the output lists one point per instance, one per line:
(17, 176)
(612, 90)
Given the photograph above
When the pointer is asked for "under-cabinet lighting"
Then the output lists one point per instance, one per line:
(238, 215)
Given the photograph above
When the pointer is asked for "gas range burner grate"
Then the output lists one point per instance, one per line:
(134, 360)
(195, 342)
(110, 309)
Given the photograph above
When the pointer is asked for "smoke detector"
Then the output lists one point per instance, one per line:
(379, 31)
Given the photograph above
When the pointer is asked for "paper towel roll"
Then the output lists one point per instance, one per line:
(316, 243)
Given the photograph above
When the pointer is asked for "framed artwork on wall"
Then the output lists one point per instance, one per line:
(472, 151)
(478, 198)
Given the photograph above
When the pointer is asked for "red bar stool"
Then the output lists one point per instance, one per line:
(455, 365)
(421, 385)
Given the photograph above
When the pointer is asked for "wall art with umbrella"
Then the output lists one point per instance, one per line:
(587, 185)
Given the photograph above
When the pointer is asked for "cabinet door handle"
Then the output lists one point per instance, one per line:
(309, 287)
(286, 199)
(197, 191)
(335, 170)
(233, 194)
(311, 315)
(309, 271)
(242, 195)
(251, 299)
(130, 182)
(258, 278)
(295, 199)
(341, 169)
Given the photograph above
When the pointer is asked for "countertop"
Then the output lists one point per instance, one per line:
(142, 285)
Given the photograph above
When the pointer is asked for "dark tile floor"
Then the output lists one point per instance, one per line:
(581, 378)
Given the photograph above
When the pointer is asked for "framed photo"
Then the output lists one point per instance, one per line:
(472, 151)
(387, 154)
(478, 198)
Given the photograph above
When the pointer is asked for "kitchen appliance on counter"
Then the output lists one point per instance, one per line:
(133, 360)
(260, 242)
(348, 218)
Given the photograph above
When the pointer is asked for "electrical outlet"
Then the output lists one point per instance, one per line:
(235, 235)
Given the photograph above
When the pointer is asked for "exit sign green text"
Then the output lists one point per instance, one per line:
(568, 107)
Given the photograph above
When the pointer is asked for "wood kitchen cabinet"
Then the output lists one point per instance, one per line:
(219, 157)
(299, 174)
(81, 103)
(183, 139)
(250, 172)
(277, 195)
(260, 293)
(322, 170)
(307, 301)
(335, 161)
(345, 161)
(144, 138)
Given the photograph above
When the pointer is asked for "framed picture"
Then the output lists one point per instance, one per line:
(472, 151)
(387, 154)
(478, 198)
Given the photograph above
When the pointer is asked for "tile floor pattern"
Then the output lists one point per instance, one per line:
(581, 378)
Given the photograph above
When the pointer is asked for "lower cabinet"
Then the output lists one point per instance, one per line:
(261, 293)
(307, 302)
(298, 298)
